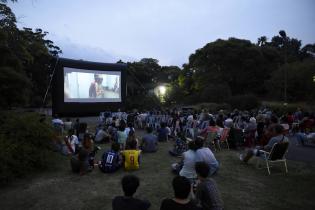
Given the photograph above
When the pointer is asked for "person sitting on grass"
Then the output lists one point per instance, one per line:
(277, 132)
(163, 133)
(180, 145)
(186, 167)
(131, 137)
(207, 194)
(149, 141)
(80, 163)
(121, 136)
(111, 160)
(131, 156)
(206, 155)
(88, 146)
(101, 136)
(129, 128)
(72, 142)
(182, 189)
(130, 184)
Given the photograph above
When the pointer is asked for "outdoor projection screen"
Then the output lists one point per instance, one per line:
(84, 88)
(91, 86)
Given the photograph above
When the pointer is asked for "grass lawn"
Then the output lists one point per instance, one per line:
(242, 186)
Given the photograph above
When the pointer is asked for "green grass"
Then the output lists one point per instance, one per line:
(242, 186)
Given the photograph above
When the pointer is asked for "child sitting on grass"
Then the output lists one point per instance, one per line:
(80, 163)
(180, 145)
(111, 160)
(131, 156)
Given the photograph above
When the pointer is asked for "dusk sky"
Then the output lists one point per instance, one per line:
(168, 30)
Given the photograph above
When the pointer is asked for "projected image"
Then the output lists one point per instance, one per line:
(91, 86)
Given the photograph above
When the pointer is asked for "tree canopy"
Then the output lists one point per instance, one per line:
(25, 57)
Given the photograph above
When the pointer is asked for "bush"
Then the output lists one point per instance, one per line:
(25, 144)
(244, 102)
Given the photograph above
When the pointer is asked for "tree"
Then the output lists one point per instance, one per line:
(262, 41)
(300, 81)
(25, 57)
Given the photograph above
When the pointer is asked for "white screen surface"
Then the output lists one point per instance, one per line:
(91, 86)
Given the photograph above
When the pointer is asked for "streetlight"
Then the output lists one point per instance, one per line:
(162, 90)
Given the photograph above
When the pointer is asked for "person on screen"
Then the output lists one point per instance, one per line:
(96, 89)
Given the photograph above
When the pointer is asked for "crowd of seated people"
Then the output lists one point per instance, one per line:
(193, 186)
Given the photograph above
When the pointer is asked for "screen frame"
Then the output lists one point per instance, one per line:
(62, 108)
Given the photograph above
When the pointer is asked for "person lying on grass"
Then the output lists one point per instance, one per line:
(181, 200)
(111, 159)
(130, 184)
(206, 193)
(277, 132)
(131, 156)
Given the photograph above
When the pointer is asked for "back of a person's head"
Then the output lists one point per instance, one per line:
(202, 169)
(131, 144)
(181, 187)
(192, 145)
(149, 129)
(130, 184)
(122, 127)
(278, 129)
(70, 132)
(163, 125)
(199, 143)
(115, 146)
(130, 125)
(274, 119)
(212, 122)
(132, 132)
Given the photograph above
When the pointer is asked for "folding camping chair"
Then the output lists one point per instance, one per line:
(224, 138)
(210, 140)
(276, 155)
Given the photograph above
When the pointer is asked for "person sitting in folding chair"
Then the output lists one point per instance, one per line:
(278, 138)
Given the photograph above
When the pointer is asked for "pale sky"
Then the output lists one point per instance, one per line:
(167, 30)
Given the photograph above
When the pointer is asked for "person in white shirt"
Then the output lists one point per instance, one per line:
(101, 135)
(72, 142)
(204, 154)
(186, 167)
(68, 124)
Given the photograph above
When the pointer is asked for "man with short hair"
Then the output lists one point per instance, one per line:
(149, 141)
(207, 193)
(182, 189)
(130, 184)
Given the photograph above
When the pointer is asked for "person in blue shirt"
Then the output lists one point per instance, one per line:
(111, 160)
(180, 145)
(163, 132)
